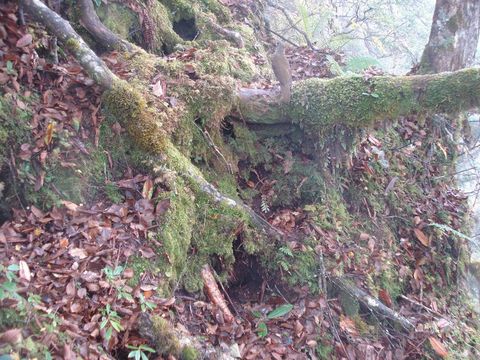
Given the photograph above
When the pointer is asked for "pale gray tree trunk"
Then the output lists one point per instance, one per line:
(453, 36)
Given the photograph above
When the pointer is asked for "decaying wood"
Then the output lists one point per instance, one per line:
(214, 294)
(373, 304)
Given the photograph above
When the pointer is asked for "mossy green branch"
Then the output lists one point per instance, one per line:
(358, 102)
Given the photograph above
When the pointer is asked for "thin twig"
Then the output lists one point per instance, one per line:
(292, 24)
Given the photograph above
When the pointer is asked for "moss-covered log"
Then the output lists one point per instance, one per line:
(357, 102)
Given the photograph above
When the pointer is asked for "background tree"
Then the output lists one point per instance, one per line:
(453, 38)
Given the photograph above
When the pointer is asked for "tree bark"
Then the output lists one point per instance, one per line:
(453, 37)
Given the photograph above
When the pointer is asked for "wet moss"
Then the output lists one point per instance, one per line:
(176, 231)
(127, 105)
(14, 125)
(184, 9)
(119, 19)
(189, 353)
(359, 103)
(164, 37)
(221, 59)
(72, 45)
(350, 101)
(166, 341)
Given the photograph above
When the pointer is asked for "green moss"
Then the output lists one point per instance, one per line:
(10, 318)
(144, 64)
(119, 19)
(113, 193)
(164, 38)
(140, 265)
(72, 44)
(219, 10)
(176, 231)
(189, 353)
(181, 9)
(299, 267)
(212, 240)
(166, 341)
(127, 105)
(185, 10)
(324, 352)
(350, 100)
(14, 124)
(317, 103)
(221, 59)
(390, 282)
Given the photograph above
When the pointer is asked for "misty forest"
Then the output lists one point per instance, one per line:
(239, 179)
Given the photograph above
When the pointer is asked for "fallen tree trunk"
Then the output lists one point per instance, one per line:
(372, 303)
(358, 102)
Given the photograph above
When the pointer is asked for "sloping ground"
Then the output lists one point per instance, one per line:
(77, 278)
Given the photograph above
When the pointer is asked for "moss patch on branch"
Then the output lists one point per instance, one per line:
(128, 106)
(356, 102)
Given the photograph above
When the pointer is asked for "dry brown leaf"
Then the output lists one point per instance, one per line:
(89, 276)
(24, 271)
(63, 243)
(364, 237)
(348, 325)
(422, 237)
(49, 133)
(147, 191)
(11, 336)
(385, 297)
(25, 40)
(68, 353)
(77, 252)
(70, 205)
(438, 347)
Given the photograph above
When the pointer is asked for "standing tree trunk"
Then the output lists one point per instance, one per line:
(453, 37)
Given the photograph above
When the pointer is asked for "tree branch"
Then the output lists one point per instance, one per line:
(359, 103)
(373, 304)
(292, 24)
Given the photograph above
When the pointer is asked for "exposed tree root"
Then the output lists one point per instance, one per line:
(62, 29)
(230, 35)
(316, 102)
(105, 78)
(90, 21)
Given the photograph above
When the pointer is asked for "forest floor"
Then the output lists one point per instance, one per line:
(66, 284)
